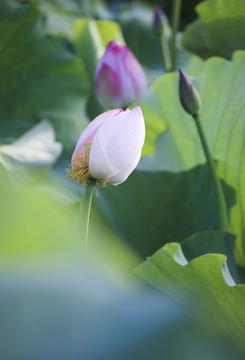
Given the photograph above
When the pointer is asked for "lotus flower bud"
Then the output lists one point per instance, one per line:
(119, 78)
(189, 96)
(160, 22)
(109, 148)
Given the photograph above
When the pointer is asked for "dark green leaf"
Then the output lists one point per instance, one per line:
(151, 209)
(40, 79)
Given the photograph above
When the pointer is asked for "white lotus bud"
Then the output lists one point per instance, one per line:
(109, 148)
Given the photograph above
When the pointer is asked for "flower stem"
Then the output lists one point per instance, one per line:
(84, 212)
(223, 220)
(175, 27)
(165, 52)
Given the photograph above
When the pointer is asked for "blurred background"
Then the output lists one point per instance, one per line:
(135, 293)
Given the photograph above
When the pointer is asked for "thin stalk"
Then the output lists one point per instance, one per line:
(166, 52)
(84, 212)
(175, 28)
(223, 220)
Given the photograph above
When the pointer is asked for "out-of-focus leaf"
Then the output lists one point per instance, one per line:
(39, 78)
(59, 302)
(151, 209)
(60, 15)
(35, 150)
(221, 86)
(39, 222)
(33, 227)
(205, 279)
(219, 31)
(62, 313)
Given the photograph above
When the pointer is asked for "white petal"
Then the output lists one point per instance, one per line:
(123, 175)
(36, 147)
(95, 123)
(117, 144)
(100, 166)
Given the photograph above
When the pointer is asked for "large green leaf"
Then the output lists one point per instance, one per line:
(220, 29)
(222, 116)
(39, 78)
(205, 279)
(151, 209)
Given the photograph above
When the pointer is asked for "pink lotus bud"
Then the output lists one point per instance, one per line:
(119, 78)
(109, 148)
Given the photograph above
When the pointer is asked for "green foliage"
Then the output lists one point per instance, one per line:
(222, 117)
(206, 279)
(39, 78)
(169, 207)
(219, 30)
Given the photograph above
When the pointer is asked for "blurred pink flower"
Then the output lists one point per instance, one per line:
(109, 148)
(119, 77)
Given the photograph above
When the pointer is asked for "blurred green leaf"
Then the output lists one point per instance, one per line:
(62, 313)
(39, 226)
(39, 78)
(205, 279)
(60, 15)
(33, 227)
(219, 31)
(73, 299)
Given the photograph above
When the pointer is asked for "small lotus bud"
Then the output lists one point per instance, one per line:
(160, 22)
(188, 94)
(119, 78)
(109, 148)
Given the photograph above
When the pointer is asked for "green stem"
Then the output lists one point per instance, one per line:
(165, 52)
(84, 212)
(217, 184)
(175, 28)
